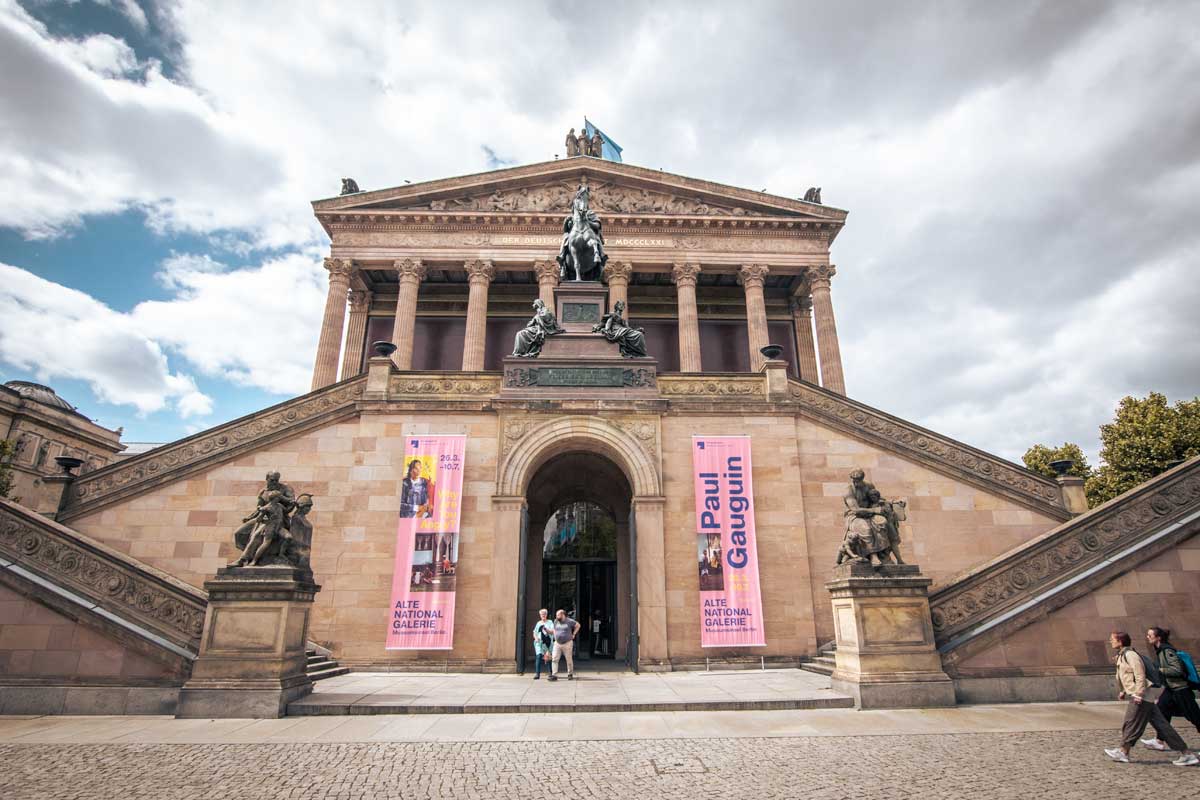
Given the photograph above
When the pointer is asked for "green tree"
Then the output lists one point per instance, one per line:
(1147, 437)
(6, 454)
(1038, 458)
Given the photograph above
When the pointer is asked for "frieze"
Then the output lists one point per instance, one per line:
(106, 580)
(1072, 549)
(710, 241)
(153, 465)
(1042, 492)
(711, 387)
(475, 387)
(605, 197)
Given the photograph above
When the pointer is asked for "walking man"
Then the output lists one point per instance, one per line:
(1131, 676)
(543, 642)
(1177, 698)
(565, 630)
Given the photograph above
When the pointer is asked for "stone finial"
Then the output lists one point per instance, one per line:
(410, 269)
(753, 274)
(685, 274)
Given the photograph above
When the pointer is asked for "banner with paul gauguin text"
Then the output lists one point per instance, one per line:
(422, 609)
(727, 554)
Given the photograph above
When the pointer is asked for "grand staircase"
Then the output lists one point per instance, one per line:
(322, 664)
(823, 662)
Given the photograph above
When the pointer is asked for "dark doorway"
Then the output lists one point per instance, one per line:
(579, 575)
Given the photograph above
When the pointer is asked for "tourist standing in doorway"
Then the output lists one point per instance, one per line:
(543, 642)
(565, 630)
(1131, 677)
(1177, 698)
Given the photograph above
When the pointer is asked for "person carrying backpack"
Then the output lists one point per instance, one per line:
(1131, 676)
(543, 642)
(1177, 698)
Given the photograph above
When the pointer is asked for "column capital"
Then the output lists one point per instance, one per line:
(480, 271)
(339, 269)
(801, 305)
(410, 268)
(620, 272)
(685, 274)
(820, 275)
(360, 300)
(546, 271)
(753, 274)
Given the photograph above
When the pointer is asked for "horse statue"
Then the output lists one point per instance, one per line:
(583, 245)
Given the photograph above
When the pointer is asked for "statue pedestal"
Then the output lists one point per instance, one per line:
(579, 305)
(886, 656)
(252, 661)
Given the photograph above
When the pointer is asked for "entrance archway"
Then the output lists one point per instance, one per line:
(577, 555)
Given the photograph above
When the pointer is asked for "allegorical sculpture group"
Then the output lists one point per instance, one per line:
(581, 145)
(277, 532)
(872, 524)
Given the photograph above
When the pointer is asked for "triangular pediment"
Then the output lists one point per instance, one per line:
(548, 187)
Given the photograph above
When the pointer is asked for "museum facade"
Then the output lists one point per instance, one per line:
(578, 486)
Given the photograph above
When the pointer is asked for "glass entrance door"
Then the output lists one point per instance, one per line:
(587, 591)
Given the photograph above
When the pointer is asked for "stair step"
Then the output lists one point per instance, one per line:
(331, 672)
(320, 666)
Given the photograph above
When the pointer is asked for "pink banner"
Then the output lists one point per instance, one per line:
(727, 555)
(427, 544)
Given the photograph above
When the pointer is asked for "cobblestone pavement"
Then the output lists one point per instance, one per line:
(1028, 766)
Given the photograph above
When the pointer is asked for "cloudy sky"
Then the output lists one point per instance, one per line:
(1023, 181)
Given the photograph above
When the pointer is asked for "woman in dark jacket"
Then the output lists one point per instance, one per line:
(1177, 698)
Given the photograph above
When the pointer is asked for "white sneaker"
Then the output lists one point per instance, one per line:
(1154, 744)
(1116, 755)
(1186, 760)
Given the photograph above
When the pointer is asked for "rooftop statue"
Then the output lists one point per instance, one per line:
(530, 339)
(277, 532)
(572, 144)
(813, 195)
(350, 186)
(631, 341)
(583, 244)
(872, 523)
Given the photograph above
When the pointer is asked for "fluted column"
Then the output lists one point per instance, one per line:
(547, 278)
(827, 341)
(479, 276)
(356, 332)
(806, 349)
(617, 276)
(330, 343)
(751, 277)
(685, 276)
(411, 272)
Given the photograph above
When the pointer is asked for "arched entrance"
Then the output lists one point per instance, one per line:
(577, 554)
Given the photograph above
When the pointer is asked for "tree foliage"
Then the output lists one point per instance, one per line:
(6, 454)
(1147, 437)
(1038, 458)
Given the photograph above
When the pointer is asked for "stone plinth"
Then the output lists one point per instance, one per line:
(578, 305)
(886, 656)
(252, 660)
(578, 372)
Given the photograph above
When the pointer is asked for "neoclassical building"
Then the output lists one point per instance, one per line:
(578, 494)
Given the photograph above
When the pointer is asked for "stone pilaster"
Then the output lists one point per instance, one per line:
(547, 278)
(330, 343)
(479, 276)
(356, 333)
(751, 277)
(827, 341)
(685, 276)
(410, 272)
(617, 276)
(806, 347)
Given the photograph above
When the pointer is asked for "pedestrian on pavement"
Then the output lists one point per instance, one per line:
(565, 630)
(1131, 677)
(543, 641)
(1177, 698)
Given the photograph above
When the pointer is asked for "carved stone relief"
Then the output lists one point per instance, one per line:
(608, 197)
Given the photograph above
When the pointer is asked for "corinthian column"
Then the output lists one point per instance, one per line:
(411, 272)
(479, 275)
(685, 276)
(806, 349)
(330, 343)
(617, 276)
(827, 341)
(751, 277)
(356, 332)
(547, 278)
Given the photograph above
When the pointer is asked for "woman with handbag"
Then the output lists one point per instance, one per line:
(543, 642)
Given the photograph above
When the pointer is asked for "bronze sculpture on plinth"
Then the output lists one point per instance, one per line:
(872, 524)
(630, 340)
(583, 244)
(277, 532)
(529, 340)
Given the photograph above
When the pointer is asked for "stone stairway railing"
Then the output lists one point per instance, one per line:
(172, 461)
(65, 567)
(978, 608)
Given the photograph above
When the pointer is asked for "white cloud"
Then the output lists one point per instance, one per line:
(57, 332)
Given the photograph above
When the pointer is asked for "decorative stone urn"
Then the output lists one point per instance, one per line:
(886, 656)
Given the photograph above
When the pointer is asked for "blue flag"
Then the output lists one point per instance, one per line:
(611, 150)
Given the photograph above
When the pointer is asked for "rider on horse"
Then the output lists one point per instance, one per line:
(588, 239)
